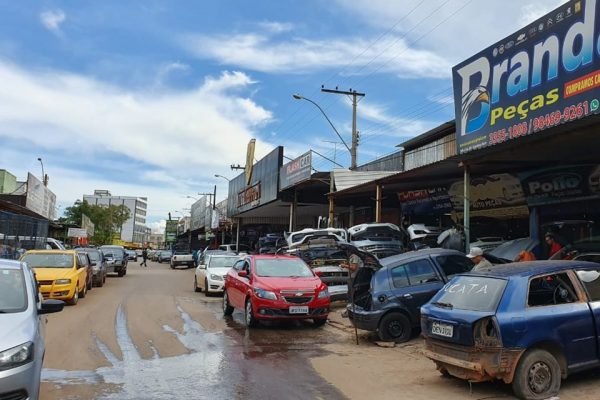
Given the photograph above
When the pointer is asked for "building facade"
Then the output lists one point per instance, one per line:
(134, 230)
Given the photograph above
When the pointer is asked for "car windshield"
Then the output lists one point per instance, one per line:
(13, 295)
(473, 293)
(47, 260)
(94, 256)
(282, 268)
(222, 262)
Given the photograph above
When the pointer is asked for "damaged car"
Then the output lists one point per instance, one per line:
(388, 293)
(320, 249)
(381, 239)
(528, 324)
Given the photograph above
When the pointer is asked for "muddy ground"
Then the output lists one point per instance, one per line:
(150, 336)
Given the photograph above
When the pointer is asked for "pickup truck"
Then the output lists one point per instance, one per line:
(182, 258)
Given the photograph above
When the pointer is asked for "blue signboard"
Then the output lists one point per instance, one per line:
(542, 76)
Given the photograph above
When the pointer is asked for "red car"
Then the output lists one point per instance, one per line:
(275, 287)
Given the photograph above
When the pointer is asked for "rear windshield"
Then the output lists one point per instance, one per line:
(471, 293)
(222, 262)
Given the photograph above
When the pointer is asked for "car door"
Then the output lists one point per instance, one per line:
(81, 272)
(590, 279)
(414, 283)
(201, 275)
(234, 284)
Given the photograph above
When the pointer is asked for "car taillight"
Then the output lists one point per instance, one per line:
(486, 333)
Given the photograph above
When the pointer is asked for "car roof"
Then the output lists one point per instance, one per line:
(530, 268)
(271, 256)
(11, 264)
(53, 251)
(393, 260)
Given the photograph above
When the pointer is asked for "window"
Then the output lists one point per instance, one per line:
(238, 265)
(454, 264)
(550, 290)
(591, 281)
(413, 273)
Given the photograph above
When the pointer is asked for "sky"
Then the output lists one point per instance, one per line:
(153, 98)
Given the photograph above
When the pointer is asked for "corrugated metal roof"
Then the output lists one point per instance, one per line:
(345, 178)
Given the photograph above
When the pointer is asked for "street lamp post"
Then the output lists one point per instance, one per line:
(44, 180)
(351, 150)
(221, 176)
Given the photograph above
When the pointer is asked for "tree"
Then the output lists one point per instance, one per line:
(107, 220)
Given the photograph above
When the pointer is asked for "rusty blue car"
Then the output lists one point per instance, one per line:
(527, 324)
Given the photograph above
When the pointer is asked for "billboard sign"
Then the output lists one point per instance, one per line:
(544, 75)
(426, 201)
(171, 231)
(77, 233)
(296, 171)
(39, 198)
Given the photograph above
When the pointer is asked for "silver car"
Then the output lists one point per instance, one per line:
(22, 331)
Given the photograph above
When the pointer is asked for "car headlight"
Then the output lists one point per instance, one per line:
(216, 277)
(323, 294)
(265, 294)
(62, 281)
(16, 356)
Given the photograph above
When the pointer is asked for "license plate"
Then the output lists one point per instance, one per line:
(440, 329)
(298, 310)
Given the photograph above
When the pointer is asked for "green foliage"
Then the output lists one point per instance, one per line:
(107, 220)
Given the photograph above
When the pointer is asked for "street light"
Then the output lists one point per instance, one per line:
(221, 176)
(191, 197)
(43, 174)
(300, 97)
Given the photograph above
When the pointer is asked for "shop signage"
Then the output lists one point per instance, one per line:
(250, 195)
(77, 233)
(544, 75)
(489, 192)
(39, 198)
(554, 185)
(427, 201)
(171, 231)
(296, 171)
(249, 161)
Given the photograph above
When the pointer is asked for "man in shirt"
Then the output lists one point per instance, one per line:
(353, 265)
(476, 256)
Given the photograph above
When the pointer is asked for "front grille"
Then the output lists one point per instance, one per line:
(45, 283)
(340, 274)
(16, 395)
(278, 312)
(298, 300)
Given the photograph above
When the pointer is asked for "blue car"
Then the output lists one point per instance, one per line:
(527, 324)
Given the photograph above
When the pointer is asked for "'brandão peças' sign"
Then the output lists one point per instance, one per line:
(250, 195)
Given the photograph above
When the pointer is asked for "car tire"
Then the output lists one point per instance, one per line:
(100, 281)
(251, 321)
(537, 376)
(395, 327)
(90, 284)
(75, 299)
(83, 292)
(125, 271)
(319, 322)
(196, 288)
(121, 273)
(104, 278)
(227, 309)
(206, 288)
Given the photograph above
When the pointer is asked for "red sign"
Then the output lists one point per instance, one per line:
(249, 195)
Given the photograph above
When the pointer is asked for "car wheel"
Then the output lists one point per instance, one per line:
(227, 309)
(104, 278)
(172, 266)
(83, 292)
(90, 284)
(100, 281)
(249, 315)
(395, 327)
(75, 297)
(125, 271)
(121, 273)
(206, 288)
(537, 376)
(319, 322)
(196, 288)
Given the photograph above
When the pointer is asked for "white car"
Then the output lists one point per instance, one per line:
(209, 277)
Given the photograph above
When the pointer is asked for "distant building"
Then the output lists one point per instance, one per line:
(134, 230)
(157, 240)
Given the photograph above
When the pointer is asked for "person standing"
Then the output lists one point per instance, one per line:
(553, 245)
(353, 265)
(144, 257)
(476, 256)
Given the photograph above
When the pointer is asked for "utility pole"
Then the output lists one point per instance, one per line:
(355, 99)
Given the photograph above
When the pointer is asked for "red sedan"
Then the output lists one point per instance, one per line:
(275, 287)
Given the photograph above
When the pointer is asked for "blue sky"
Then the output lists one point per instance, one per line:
(152, 98)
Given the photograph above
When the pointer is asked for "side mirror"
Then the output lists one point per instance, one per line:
(243, 274)
(51, 306)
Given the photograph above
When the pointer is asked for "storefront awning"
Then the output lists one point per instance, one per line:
(345, 179)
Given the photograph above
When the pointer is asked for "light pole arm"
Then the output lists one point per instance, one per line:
(328, 120)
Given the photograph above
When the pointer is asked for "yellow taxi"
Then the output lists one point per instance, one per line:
(60, 274)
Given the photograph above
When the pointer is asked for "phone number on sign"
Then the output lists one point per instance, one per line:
(570, 113)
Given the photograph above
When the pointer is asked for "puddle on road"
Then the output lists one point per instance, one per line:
(218, 366)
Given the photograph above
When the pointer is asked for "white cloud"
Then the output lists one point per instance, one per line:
(263, 53)
(52, 20)
(187, 136)
(158, 227)
(276, 27)
(164, 71)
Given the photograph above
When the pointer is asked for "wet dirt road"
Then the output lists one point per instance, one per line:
(150, 336)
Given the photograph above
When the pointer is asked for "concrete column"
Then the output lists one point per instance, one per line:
(293, 211)
(331, 201)
(467, 207)
(378, 200)
(237, 235)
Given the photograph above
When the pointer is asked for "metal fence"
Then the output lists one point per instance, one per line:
(19, 233)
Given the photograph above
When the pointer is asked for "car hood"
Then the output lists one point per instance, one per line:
(277, 284)
(51, 274)
(375, 232)
(218, 271)
(328, 268)
(511, 249)
(15, 329)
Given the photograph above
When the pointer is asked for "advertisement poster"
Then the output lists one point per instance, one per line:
(296, 171)
(426, 201)
(544, 75)
(171, 231)
(488, 192)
